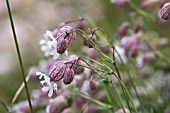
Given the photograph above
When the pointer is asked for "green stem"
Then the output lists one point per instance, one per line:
(121, 103)
(130, 78)
(96, 101)
(122, 84)
(19, 56)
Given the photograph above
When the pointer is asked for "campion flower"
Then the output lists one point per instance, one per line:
(58, 70)
(68, 76)
(165, 11)
(48, 86)
(49, 45)
(67, 33)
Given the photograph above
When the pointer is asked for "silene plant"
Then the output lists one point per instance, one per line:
(95, 80)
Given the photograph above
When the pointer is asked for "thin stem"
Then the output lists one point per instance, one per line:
(19, 56)
(130, 78)
(122, 84)
(121, 103)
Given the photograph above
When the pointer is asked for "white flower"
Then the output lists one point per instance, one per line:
(49, 45)
(48, 86)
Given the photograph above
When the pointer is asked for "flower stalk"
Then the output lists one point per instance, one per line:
(19, 55)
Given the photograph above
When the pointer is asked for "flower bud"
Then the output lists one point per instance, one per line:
(131, 45)
(92, 85)
(67, 33)
(87, 42)
(62, 46)
(92, 53)
(60, 103)
(57, 71)
(148, 57)
(68, 76)
(122, 29)
(165, 11)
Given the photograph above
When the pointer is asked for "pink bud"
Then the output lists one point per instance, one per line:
(57, 71)
(148, 57)
(87, 42)
(66, 33)
(68, 76)
(92, 85)
(92, 53)
(60, 103)
(131, 45)
(62, 46)
(122, 29)
(165, 11)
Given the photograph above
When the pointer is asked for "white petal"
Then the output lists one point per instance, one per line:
(39, 73)
(49, 33)
(50, 93)
(42, 41)
(45, 89)
(42, 82)
(56, 56)
(53, 52)
(46, 53)
(44, 48)
(66, 52)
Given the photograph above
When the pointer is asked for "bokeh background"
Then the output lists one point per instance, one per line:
(33, 17)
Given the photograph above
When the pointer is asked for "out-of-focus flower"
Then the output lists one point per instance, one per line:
(122, 29)
(165, 11)
(92, 53)
(91, 108)
(130, 44)
(121, 52)
(149, 3)
(60, 103)
(147, 57)
(49, 45)
(22, 107)
(119, 2)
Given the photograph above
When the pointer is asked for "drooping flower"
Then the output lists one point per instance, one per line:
(48, 86)
(68, 76)
(165, 11)
(57, 70)
(67, 33)
(49, 45)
